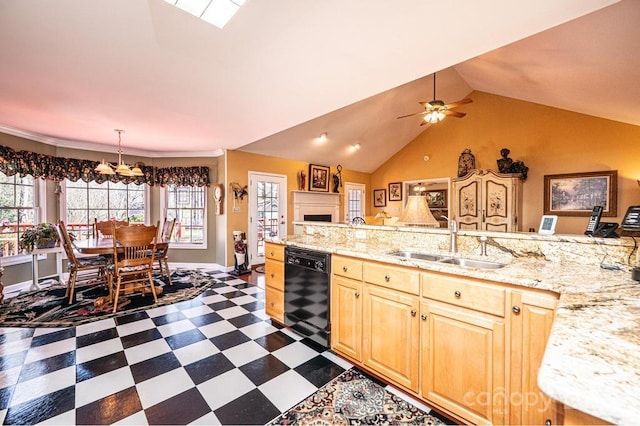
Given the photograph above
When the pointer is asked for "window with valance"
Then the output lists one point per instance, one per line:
(44, 166)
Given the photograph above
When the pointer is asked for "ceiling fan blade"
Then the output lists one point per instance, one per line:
(414, 114)
(458, 103)
(455, 113)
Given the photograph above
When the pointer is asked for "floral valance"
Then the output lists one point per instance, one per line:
(57, 168)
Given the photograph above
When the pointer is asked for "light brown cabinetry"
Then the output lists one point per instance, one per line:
(469, 347)
(374, 318)
(463, 348)
(531, 319)
(487, 200)
(274, 281)
(391, 334)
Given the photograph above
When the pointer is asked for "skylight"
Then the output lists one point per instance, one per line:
(216, 12)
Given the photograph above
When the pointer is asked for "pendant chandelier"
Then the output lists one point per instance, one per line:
(121, 168)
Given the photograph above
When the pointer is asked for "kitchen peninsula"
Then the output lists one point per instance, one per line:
(592, 358)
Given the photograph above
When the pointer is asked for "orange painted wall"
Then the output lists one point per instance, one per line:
(238, 166)
(548, 140)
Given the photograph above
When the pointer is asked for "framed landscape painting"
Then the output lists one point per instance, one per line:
(575, 194)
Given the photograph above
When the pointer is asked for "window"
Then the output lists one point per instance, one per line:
(355, 201)
(187, 204)
(17, 210)
(87, 201)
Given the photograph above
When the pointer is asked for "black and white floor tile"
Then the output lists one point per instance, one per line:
(216, 359)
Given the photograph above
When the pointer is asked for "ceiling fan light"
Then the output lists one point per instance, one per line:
(136, 171)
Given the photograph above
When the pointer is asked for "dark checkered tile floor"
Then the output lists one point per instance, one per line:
(216, 359)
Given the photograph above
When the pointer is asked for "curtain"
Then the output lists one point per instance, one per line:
(57, 168)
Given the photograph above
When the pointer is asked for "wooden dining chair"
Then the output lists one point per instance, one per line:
(104, 228)
(134, 250)
(163, 251)
(85, 269)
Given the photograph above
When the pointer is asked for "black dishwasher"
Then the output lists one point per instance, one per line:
(306, 293)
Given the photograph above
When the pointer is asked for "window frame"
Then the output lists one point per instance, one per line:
(64, 210)
(39, 215)
(164, 207)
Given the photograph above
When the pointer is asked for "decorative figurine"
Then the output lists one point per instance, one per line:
(507, 165)
(240, 253)
(466, 162)
(504, 163)
(302, 180)
(337, 179)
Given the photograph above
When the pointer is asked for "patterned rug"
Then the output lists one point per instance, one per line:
(49, 308)
(354, 398)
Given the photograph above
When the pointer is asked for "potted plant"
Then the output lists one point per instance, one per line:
(44, 235)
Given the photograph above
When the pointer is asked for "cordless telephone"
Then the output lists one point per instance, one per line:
(594, 220)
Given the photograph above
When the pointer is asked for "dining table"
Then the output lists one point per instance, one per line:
(103, 245)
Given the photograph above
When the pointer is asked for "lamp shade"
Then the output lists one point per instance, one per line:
(417, 212)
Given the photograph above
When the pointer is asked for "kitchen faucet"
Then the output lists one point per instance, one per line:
(453, 233)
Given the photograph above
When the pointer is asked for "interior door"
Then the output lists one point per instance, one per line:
(267, 212)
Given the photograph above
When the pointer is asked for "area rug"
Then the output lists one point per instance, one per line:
(50, 308)
(355, 399)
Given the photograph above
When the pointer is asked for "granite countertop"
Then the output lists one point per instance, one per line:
(592, 359)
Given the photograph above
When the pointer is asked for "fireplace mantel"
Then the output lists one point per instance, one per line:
(315, 203)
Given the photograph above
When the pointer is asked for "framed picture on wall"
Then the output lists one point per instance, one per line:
(575, 194)
(379, 197)
(437, 199)
(318, 178)
(395, 191)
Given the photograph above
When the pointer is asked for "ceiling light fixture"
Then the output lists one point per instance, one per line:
(323, 137)
(355, 146)
(121, 168)
(216, 12)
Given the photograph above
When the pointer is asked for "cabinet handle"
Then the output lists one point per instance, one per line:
(457, 293)
(516, 310)
(273, 304)
(344, 269)
(424, 317)
(272, 254)
(387, 278)
(548, 422)
(413, 313)
(273, 275)
(357, 295)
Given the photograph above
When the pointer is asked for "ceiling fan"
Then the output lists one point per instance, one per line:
(437, 110)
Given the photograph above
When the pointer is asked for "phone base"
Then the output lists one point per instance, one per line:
(635, 274)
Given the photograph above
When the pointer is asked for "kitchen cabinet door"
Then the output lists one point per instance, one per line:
(346, 317)
(391, 333)
(463, 362)
(274, 281)
(531, 319)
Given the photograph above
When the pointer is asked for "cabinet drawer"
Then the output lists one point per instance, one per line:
(392, 277)
(464, 292)
(347, 267)
(274, 274)
(274, 251)
(274, 304)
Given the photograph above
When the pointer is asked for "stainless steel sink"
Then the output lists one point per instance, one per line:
(472, 263)
(417, 255)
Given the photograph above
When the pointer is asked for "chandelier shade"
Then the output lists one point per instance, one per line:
(121, 168)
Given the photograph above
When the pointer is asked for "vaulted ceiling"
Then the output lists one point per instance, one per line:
(284, 71)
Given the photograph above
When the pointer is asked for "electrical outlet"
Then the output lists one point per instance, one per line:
(361, 234)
